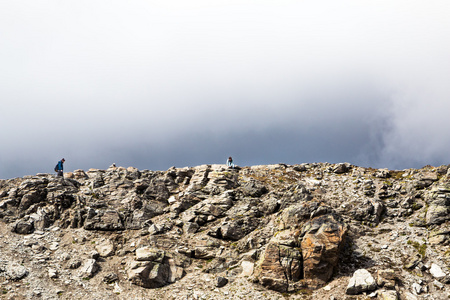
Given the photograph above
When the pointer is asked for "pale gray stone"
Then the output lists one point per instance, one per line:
(15, 271)
(436, 271)
(89, 268)
(106, 248)
(362, 281)
(389, 295)
(417, 288)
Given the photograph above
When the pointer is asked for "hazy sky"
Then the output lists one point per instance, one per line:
(155, 84)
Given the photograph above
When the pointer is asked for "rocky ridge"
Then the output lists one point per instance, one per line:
(307, 231)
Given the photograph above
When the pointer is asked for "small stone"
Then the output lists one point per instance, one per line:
(65, 256)
(75, 264)
(155, 229)
(362, 281)
(221, 281)
(54, 246)
(52, 273)
(94, 255)
(417, 289)
(89, 268)
(105, 248)
(247, 268)
(110, 278)
(117, 288)
(438, 284)
(373, 294)
(436, 271)
(386, 278)
(389, 295)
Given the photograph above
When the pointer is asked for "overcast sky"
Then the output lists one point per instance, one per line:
(155, 84)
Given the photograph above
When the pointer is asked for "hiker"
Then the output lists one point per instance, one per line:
(230, 163)
(60, 167)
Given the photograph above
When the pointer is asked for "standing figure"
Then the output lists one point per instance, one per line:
(230, 163)
(60, 167)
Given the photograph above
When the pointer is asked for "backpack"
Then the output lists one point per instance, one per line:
(56, 167)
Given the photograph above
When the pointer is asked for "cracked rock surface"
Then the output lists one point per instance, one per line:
(307, 231)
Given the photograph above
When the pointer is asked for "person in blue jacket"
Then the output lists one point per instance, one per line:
(230, 163)
(60, 167)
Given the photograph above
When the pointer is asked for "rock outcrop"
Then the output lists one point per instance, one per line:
(313, 231)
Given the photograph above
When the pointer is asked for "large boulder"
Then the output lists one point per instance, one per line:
(425, 179)
(439, 204)
(295, 215)
(322, 240)
(310, 255)
(23, 226)
(220, 180)
(89, 268)
(154, 268)
(199, 179)
(235, 229)
(104, 220)
(13, 270)
(281, 264)
(253, 188)
(157, 190)
(30, 198)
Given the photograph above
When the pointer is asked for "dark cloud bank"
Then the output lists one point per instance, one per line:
(344, 127)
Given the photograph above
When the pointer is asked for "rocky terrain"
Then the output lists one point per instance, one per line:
(307, 231)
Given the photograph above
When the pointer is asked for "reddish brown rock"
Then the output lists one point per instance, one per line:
(294, 259)
(280, 265)
(322, 239)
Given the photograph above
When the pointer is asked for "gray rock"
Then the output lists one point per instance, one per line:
(106, 248)
(110, 278)
(221, 281)
(190, 227)
(89, 268)
(438, 284)
(150, 275)
(247, 268)
(24, 226)
(386, 278)
(417, 288)
(105, 220)
(14, 271)
(74, 264)
(436, 271)
(389, 295)
(150, 254)
(341, 168)
(94, 254)
(254, 224)
(438, 211)
(253, 188)
(362, 281)
(52, 273)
